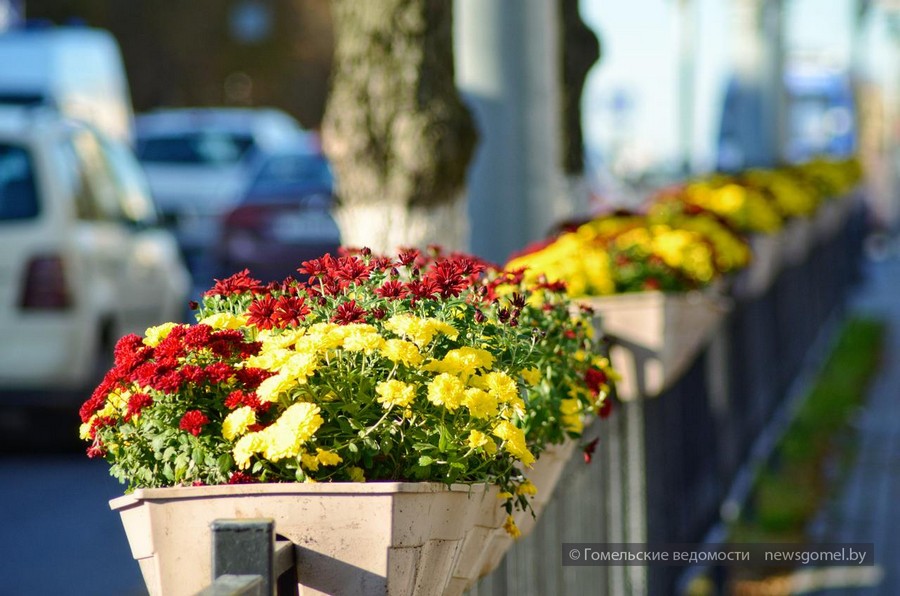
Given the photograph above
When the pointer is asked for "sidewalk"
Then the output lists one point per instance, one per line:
(865, 508)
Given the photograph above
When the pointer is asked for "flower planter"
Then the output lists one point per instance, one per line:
(829, 218)
(797, 238)
(351, 538)
(657, 335)
(755, 279)
(544, 475)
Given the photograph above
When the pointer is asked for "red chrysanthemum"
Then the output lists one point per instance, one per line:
(251, 377)
(193, 422)
(392, 290)
(349, 312)
(351, 270)
(239, 477)
(290, 311)
(262, 313)
(238, 398)
(236, 284)
(589, 450)
(447, 279)
(408, 257)
(136, 403)
(593, 378)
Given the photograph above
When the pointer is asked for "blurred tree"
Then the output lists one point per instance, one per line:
(395, 128)
(580, 51)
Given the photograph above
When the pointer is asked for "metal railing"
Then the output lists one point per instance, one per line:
(247, 560)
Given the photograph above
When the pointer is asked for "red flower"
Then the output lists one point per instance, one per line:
(193, 422)
(349, 312)
(589, 450)
(408, 257)
(240, 398)
(422, 290)
(218, 372)
(593, 378)
(239, 477)
(351, 270)
(136, 403)
(391, 289)
(606, 409)
(447, 278)
(290, 311)
(236, 284)
(262, 313)
(251, 377)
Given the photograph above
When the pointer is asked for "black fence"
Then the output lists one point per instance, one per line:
(672, 469)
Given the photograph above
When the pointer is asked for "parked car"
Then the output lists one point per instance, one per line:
(283, 218)
(76, 70)
(198, 161)
(82, 259)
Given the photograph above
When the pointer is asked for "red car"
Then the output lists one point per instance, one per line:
(282, 219)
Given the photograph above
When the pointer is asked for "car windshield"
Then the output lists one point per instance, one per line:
(18, 195)
(291, 171)
(200, 148)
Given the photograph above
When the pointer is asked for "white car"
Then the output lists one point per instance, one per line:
(198, 160)
(82, 261)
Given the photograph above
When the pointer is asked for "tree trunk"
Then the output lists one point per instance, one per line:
(397, 133)
(580, 51)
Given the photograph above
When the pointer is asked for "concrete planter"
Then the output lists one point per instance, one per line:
(544, 475)
(657, 335)
(798, 237)
(829, 218)
(351, 538)
(755, 279)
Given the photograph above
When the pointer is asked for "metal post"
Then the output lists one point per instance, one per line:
(245, 547)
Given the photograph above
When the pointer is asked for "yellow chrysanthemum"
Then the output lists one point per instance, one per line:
(225, 320)
(309, 462)
(363, 338)
(511, 528)
(532, 376)
(356, 474)
(499, 384)
(479, 440)
(237, 422)
(156, 334)
(327, 458)
(526, 488)
(246, 447)
(462, 361)
(446, 390)
(402, 352)
(570, 411)
(514, 441)
(480, 404)
(395, 393)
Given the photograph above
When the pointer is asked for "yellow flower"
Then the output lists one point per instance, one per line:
(401, 351)
(514, 441)
(526, 488)
(462, 361)
(84, 431)
(224, 320)
(309, 461)
(245, 448)
(511, 528)
(237, 422)
(294, 427)
(570, 410)
(446, 390)
(532, 376)
(271, 388)
(478, 440)
(362, 338)
(154, 335)
(300, 366)
(480, 403)
(356, 474)
(395, 393)
(327, 458)
(419, 331)
(498, 384)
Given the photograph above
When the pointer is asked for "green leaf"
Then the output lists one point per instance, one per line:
(225, 463)
(425, 460)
